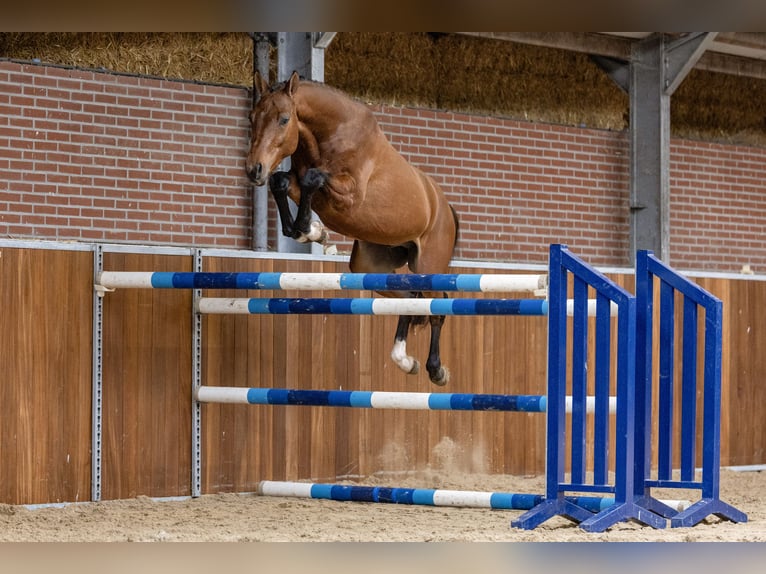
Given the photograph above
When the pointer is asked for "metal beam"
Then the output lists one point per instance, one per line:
(617, 70)
(649, 149)
(739, 54)
(682, 55)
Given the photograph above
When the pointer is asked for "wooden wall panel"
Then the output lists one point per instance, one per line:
(45, 390)
(485, 355)
(744, 394)
(45, 349)
(146, 384)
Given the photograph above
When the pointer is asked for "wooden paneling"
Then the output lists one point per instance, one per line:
(45, 351)
(484, 354)
(45, 385)
(146, 384)
(743, 424)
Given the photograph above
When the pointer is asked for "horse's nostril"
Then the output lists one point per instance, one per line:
(255, 171)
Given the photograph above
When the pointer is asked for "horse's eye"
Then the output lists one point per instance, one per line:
(283, 120)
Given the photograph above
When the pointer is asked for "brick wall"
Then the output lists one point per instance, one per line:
(520, 186)
(101, 157)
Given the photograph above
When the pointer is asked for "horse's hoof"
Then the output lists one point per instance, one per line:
(441, 378)
(415, 369)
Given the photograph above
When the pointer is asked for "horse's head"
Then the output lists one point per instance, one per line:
(274, 127)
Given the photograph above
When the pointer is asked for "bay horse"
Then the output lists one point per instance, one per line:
(346, 171)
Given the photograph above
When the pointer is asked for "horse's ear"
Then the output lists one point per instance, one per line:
(260, 86)
(292, 84)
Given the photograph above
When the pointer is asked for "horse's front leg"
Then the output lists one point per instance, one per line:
(305, 229)
(279, 185)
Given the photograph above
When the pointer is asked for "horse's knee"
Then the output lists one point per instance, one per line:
(314, 179)
(279, 183)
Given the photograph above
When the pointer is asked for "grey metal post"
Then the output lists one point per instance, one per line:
(97, 350)
(196, 413)
(302, 52)
(649, 149)
(261, 62)
(657, 68)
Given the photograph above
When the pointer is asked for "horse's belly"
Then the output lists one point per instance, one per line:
(383, 226)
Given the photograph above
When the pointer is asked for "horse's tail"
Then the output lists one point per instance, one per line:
(457, 224)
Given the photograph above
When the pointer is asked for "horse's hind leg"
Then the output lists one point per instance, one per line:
(405, 362)
(438, 374)
(373, 258)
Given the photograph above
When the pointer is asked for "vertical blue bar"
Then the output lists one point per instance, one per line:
(711, 431)
(603, 378)
(625, 423)
(557, 360)
(579, 378)
(667, 354)
(644, 347)
(688, 445)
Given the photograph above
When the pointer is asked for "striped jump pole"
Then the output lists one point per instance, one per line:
(385, 400)
(430, 497)
(382, 306)
(326, 281)
(372, 306)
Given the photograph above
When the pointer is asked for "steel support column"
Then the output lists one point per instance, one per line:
(261, 62)
(302, 52)
(657, 66)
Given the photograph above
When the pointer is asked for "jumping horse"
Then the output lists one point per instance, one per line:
(346, 171)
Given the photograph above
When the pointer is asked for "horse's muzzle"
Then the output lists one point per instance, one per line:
(256, 173)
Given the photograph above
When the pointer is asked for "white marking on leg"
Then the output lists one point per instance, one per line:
(316, 233)
(402, 359)
(316, 230)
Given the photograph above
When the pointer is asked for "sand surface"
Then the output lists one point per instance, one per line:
(250, 517)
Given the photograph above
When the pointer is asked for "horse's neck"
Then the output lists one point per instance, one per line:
(321, 109)
(309, 145)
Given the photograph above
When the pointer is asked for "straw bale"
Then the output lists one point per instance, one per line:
(434, 70)
(206, 57)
